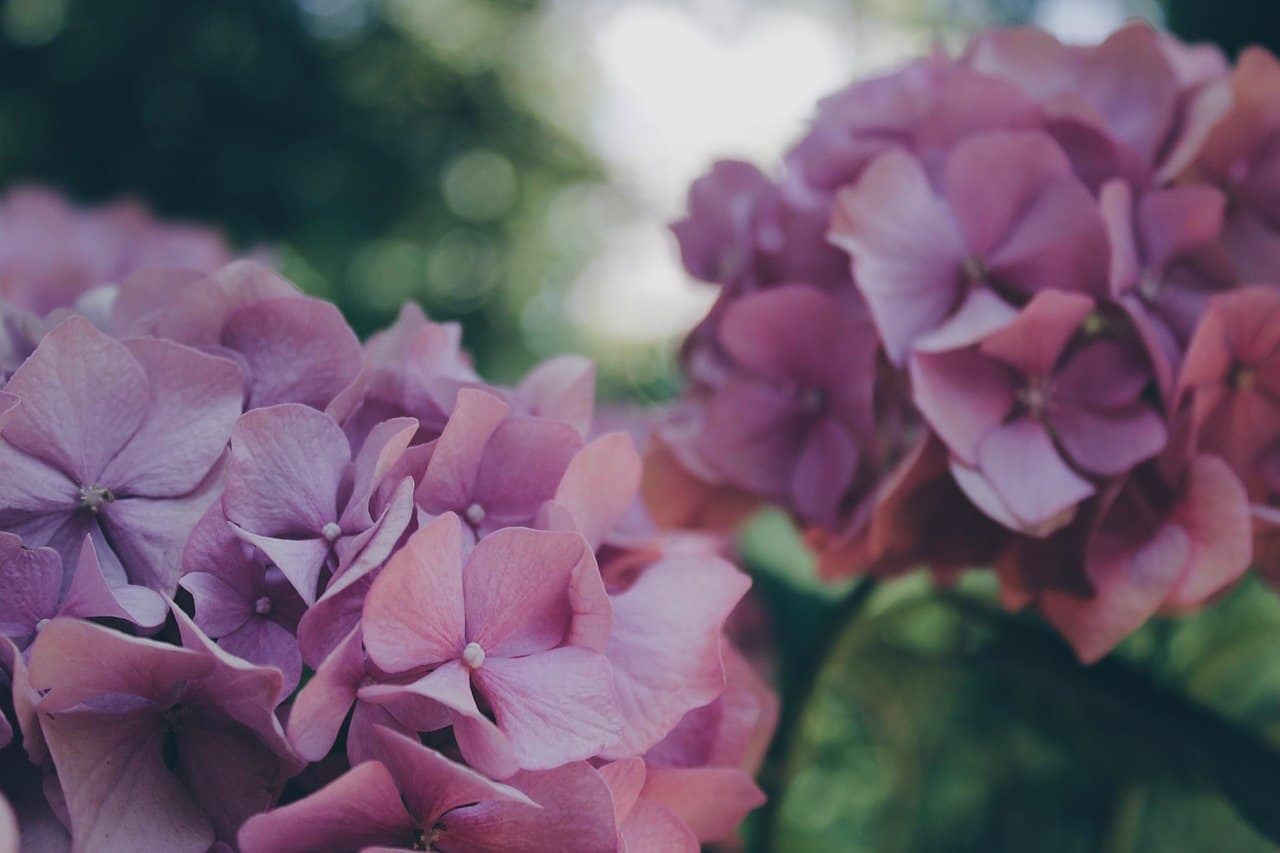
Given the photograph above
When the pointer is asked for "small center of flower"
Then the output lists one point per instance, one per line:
(331, 531)
(1037, 395)
(1244, 379)
(473, 656)
(475, 514)
(95, 497)
(262, 606)
(1095, 324)
(813, 401)
(1149, 287)
(41, 624)
(424, 838)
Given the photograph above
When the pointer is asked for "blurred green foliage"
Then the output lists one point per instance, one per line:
(375, 144)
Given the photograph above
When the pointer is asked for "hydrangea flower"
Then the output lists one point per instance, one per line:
(157, 747)
(118, 441)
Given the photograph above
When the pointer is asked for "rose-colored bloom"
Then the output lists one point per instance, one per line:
(1038, 395)
(295, 492)
(1231, 380)
(519, 623)
(1155, 547)
(52, 253)
(413, 798)
(33, 590)
(241, 600)
(117, 441)
(719, 237)
(1007, 219)
(791, 422)
(157, 747)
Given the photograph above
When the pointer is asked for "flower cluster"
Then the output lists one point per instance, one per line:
(265, 588)
(994, 312)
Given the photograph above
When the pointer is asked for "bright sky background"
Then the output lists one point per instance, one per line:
(671, 87)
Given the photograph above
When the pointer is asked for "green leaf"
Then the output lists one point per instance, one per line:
(939, 723)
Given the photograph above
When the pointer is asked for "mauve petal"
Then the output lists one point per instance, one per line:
(266, 643)
(665, 646)
(711, 801)
(1214, 511)
(298, 350)
(905, 247)
(414, 613)
(981, 314)
(600, 485)
(1008, 453)
(1178, 220)
(286, 466)
(1034, 342)
(91, 596)
(35, 499)
(522, 465)
(576, 813)
(652, 826)
(74, 659)
(148, 534)
(300, 560)
(195, 398)
(1115, 205)
(1040, 64)
(321, 706)
(824, 472)
(213, 548)
(198, 314)
(1109, 442)
(1131, 84)
(30, 584)
(334, 614)
(1130, 580)
(366, 551)
(227, 772)
(83, 396)
(785, 332)
(220, 608)
(9, 838)
(553, 706)
(562, 389)
(516, 587)
(431, 784)
(752, 434)
(382, 449)
(359, 809)
(1103, 374)
(120, 796)
(450, 479)
(991, 180)
(963, 396)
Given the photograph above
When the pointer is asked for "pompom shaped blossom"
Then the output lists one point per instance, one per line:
(118, 441)
(1038, 233)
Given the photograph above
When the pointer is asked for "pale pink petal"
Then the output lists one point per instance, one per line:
(600, 485)
(521, 467)
(1034, 342)
(562, 389)
(553, 706)
(1214, 511)
(1007, 454)
(450, 479)
(322, 705)
(653, 826)
(711, 801)
(665, 646)
(413, 613)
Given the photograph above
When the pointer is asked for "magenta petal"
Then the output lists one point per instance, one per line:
(521, 467)
(824, 472)
(83, 396)
(665, 646)
(332, 617)
(413, 613)
(286, 466)
(266, 643)
(1034, 342)
(653, 826)
(432, 784)
(553, 706)
(575, 813)
(1007, 454)
(1109, 442)
(1214, 512)
(30, 584)
(905, 247)
(517, 589)
(119, 794)
(195, 398)
(963, 396)
(1179, 220)
(298, 349)
(357, 810)
(712, 801)
(322, 705)
(600, 485)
